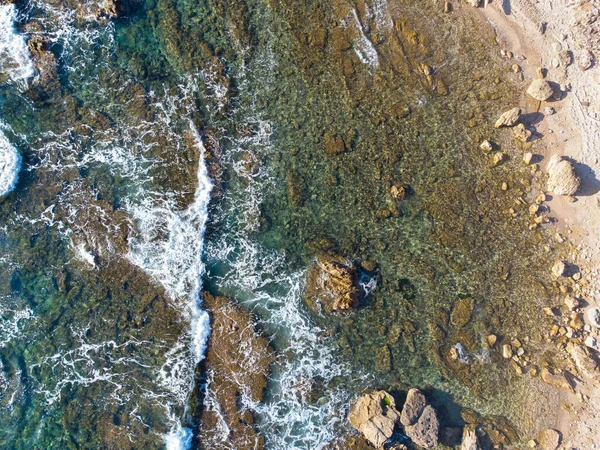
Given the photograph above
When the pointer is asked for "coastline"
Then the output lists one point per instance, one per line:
(573, 132)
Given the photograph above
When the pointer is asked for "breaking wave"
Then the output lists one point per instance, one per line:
(15, 59)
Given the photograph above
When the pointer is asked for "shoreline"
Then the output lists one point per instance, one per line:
(574, 132)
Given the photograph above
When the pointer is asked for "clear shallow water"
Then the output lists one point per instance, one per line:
(103, 250)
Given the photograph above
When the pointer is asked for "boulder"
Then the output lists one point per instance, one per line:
(425, 432)
(549, 439)
(586, 361)
(562, 179)
(509, 118)
(559, 269)
(375, 415)
(469, 440)
(413, 407)
(540, 90)
(332, 283)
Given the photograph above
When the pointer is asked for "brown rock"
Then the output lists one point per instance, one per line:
(332, 283)
(521, 133)
(549, 439)
(375, 415)
(462, 311)
(556, 379)
(509, 118)
(559, 269)
(586, 361)
(334, 144)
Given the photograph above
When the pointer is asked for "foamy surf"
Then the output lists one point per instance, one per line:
(15, 59)
(10, 165)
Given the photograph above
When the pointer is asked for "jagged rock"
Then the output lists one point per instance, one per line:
(413, 407)
(540, 90)
(375, 415)
(586, 361)
(549, 439)
(586, 60)
(425, 432)
(332, 283)
(462, 311)
(559, 269)
(521, 133)
(509, 118)
(562, 179)
(594, 317)
(233, 370)
(556, 379)
(469, 440)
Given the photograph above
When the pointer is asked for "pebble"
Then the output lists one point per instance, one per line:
(504, 186)
(555, 63)
(506, 351)
(527, 157)
(516, 68)
(486, 146)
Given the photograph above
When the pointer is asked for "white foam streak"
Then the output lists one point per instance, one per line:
(14, 54)
(10, 165)
(363, 47)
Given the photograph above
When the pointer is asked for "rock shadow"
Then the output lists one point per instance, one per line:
(532, 118)
(590, 185)
(506, 7)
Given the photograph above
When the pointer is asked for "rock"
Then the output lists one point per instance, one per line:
(571, 302)
(565, 57)
(556, 379)
(562, 179)
(506, 351)
(585, 60)
(540, 90)
(540, 73)
(521, 133)
(559, 269)
(534, 209)
(509, 118)
(486, 146)
(499, 158)
(594, 317)
(10, 165)
(549, 439)
(474, 3)
(332, 282)
(375, 415)
(469, 440)
(399, 191)
(413, 407)
(333, 144)
(462, 311)
(425, 432)
(527, 157)
(110, 8)
(586, 361)
(592, 343)
(492, 339)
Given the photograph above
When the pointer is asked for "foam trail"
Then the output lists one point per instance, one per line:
(10, 165)
(14, 54)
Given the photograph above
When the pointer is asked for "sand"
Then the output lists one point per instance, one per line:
(574, 132)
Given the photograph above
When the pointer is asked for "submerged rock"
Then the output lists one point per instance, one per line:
(10, 165)
(540, 90)
(237, 364)
(375, 415)
(332, 283)
(509, 118)
(562, 179)
(462, 311)
(556, 379)
(521, 133)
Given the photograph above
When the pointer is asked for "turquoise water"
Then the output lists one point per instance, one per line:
(140, 133)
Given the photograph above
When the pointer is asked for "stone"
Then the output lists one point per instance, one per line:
(332, 284)
(549, 439)
(527, 157)
(540, 73)
(506, 351)
(474, 3)
(562, 179)
(559, 269)
(586, 361)
(534, 209)
(375, 415)
(399, 191)
(592, 343)
(469, 440)
(425, 432)
(585, 60)
(492, 339)
(509, 118)
(594, 317)
(486, 146)
(521, 133)
(462, 311)
(556, 378)
(333, 144)
(571, 302)
(499, 158)
(413, 407)
(565, 57)
(540, 90)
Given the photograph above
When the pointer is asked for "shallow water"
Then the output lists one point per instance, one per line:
(103, 248)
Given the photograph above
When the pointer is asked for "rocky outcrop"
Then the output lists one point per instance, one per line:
(332, 284)
(420, 420)
(509, 118)
(236, 366)
(540, 90)
(375, 415)
(562, 179)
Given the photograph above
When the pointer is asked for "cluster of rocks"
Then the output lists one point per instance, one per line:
(375, 415)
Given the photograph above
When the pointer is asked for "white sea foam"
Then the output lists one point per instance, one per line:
(15, 59)
(10, 165)
(363, 47)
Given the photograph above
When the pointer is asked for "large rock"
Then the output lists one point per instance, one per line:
(375, 415)
(413, 407)
(586, 361)
(469, 440)
(425, 432)
(462, 311)
(332, 284)
(509, 118)
(540, 90)
(549, 439)
(562, 179)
